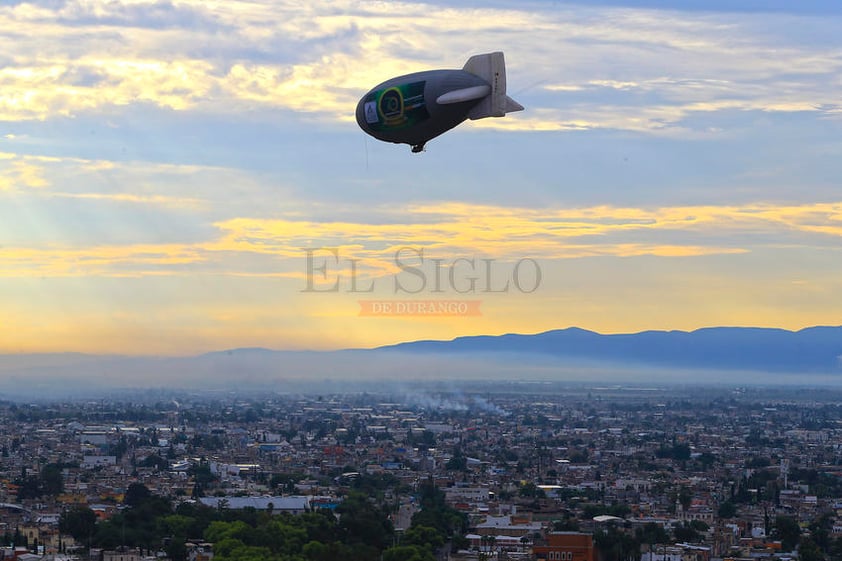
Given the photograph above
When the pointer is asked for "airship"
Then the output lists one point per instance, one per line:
(416, 108)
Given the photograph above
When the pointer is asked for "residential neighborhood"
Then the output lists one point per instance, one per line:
(546, 472)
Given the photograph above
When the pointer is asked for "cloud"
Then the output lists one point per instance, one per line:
(318, 60)
(171, 185)
(180, 202)
(454, 230)
(439, 235)
(119, 261)
(21, 174)
(139, 218)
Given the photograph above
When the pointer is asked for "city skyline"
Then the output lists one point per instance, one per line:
(167, 169)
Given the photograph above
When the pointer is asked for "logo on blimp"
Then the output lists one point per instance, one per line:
(395, 107)
(371, 116)
(391, 106)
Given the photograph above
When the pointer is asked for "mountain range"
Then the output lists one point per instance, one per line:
(717, 355)
(810, 350)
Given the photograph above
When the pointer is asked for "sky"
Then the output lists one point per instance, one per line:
(186, 176)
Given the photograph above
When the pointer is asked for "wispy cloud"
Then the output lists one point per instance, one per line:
(121, 261)
(203, 55)
(131, 198)
(278, 247)
(21, 174)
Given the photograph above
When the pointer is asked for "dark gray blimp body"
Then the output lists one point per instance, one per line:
(415, 108)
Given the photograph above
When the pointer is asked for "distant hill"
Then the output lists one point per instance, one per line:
(712, 355)
(811, 350)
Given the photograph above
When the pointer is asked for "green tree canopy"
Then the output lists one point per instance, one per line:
(423, 536)
(136, 494)
(727, 510)
(52, 482)
(788, 531)
(360, 521)
(408, 553)
(79, 522)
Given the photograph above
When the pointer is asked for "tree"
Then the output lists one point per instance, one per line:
(684, 532)
(788, 531)
(706, 460)
(51, 480)
(318, 551)
(459, 462)
(203, 477)
(177, 527)
(436, 513)
(424, 536)
(285, 481)
(320, 525)
(136, 494)
(808, 550)
(615, 545)
(27, 485)
(820, 531)
(529, 489)
(727, 510)
(154, 461)
(408, 553)
(362, 522)
(282, 535)
(79, 522)
(652, 533)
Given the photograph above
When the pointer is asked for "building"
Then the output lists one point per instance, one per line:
(201, 551)
(294, 504)
(120, 554)
(566, 546)
(508, 525)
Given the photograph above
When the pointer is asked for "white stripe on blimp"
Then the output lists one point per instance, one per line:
(465, 94)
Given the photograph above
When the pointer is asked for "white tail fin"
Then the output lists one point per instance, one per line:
(491, 67)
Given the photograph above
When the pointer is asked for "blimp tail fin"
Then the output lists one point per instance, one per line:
(491, 67)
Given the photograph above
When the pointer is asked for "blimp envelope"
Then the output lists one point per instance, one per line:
(415, 108)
